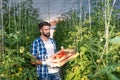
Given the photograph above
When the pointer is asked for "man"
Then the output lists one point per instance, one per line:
(43, 48)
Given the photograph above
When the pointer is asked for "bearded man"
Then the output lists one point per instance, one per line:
(42, 48)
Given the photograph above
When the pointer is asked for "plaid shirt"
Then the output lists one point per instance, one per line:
(39, 51)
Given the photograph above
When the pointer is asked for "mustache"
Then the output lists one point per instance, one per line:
(47, 34)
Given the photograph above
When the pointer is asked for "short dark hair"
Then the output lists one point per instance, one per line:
(40, 25)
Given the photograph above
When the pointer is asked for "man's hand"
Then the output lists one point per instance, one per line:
(50, 64)
(36, 62)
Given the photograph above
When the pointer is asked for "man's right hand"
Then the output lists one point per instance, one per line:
(37, 62)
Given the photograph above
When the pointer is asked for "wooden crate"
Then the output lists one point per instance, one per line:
(62, 57)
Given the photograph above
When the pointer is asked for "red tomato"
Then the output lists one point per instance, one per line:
(61, 54)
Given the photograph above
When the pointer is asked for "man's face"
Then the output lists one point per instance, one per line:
(45, 31)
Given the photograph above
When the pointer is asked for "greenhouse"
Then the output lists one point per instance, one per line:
(89, 27)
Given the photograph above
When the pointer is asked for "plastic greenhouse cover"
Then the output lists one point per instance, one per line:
(51, 9)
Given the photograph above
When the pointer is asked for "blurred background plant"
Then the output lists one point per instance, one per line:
(89, 35)
(20, 29)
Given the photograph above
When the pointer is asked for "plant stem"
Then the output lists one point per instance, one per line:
(89, 6)
(2, 28)
(107, 22)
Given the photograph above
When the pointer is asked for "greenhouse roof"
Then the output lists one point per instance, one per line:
(50, 9)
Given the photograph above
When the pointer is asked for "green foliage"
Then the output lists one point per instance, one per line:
(116, 40)
(20, 29)
(93, 63)
(17, 66)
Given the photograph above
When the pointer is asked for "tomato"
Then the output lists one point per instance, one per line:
(61, 54)
(20, 68)
(54, 57)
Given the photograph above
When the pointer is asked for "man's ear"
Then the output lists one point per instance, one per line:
(40, 31)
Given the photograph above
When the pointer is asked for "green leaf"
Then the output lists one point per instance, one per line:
(112, 76)
(115, 40)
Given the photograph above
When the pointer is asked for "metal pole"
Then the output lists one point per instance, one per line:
(48, 10)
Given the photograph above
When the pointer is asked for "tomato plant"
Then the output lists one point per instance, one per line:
(93, 63)
(19, 32)
(75, 31)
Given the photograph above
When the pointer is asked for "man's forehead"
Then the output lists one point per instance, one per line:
(46, 27)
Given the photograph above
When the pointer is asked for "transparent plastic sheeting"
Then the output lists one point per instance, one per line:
(51, 9)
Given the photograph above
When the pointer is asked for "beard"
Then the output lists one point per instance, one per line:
(46, 34)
